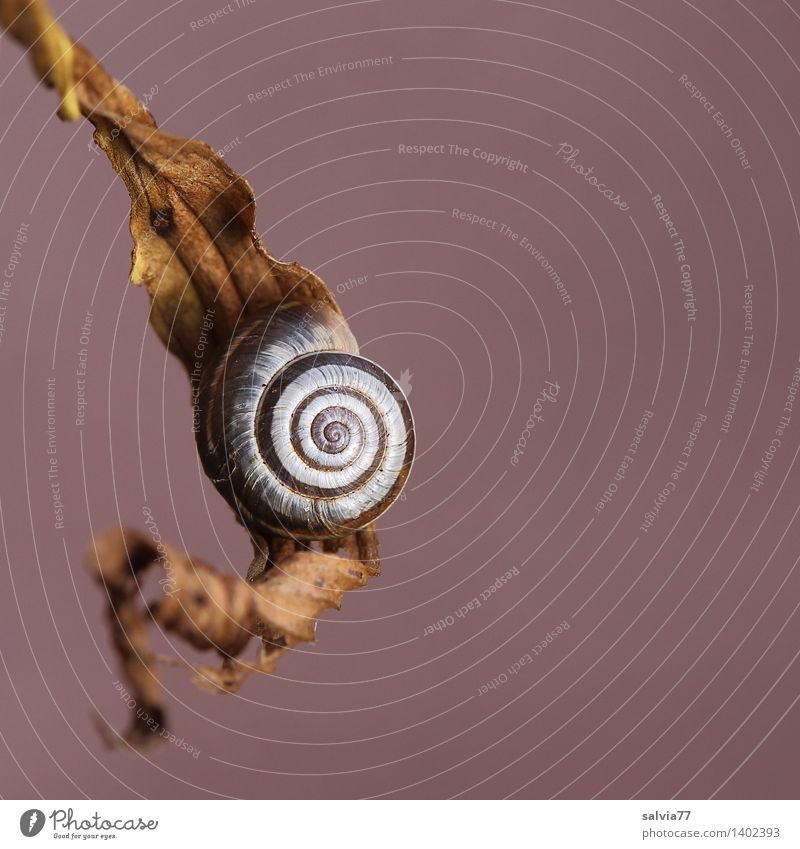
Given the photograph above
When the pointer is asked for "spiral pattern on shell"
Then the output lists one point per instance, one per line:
(304, 437)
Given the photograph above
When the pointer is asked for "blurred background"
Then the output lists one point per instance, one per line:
(587, 279)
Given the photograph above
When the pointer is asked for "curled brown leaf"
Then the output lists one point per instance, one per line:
(196, 247)
(211, 611)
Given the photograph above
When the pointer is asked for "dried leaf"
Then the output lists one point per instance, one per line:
(211, 611)
(196, 247)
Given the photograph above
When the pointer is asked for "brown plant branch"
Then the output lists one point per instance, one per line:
(196, 247)
(197, 252)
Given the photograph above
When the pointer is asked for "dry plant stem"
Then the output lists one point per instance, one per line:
(192, 219)
(199, 256)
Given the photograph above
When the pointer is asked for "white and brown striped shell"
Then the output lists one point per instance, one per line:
(303, 437)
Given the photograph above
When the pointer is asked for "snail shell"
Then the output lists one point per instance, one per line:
(301, 435)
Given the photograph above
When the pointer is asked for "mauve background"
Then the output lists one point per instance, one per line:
(678, 675)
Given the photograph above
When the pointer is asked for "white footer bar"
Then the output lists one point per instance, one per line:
(406, 824)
